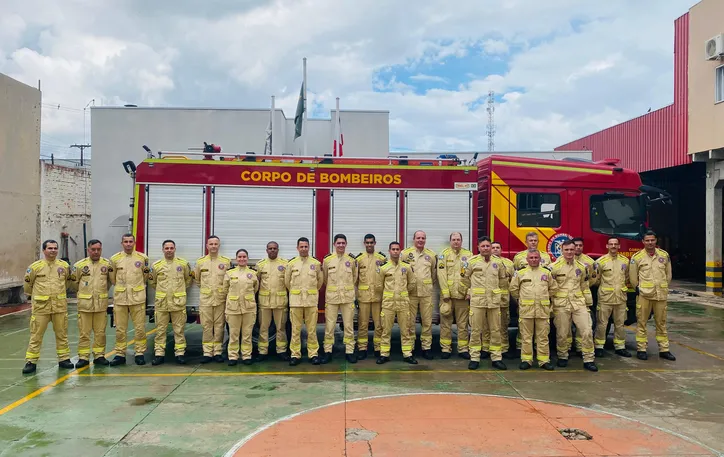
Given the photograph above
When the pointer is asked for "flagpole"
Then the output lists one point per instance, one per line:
(336, 130)
(272, 127)
(305, 105)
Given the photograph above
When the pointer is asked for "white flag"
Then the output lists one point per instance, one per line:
(268, 144)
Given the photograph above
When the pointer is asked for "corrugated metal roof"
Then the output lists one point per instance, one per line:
(657, 139)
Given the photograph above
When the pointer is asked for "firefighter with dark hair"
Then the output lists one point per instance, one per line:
(369, 296)
(450, 264)
(273, 301)
(497, 250)
(240, 287)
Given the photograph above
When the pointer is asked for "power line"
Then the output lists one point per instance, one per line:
(82, 147)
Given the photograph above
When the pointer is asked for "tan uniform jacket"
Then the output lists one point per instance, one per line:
(272, 290)
(485, 281)
(170, 278)
(572, 283)
(450, 265)
(612, 278)
(209, 276)
(47, 283)
(91, 280)
(423, 265)
(533, 287)
(651, 274)
(509, 270)
(240, 287)
(129, 273)
(590, 276)
(369, 279)
(304, 278)
(520, 260)
(399, 283)
(340, 275)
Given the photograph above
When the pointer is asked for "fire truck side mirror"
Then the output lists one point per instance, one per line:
(129, 166)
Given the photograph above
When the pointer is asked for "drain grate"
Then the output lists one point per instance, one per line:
(575, 434)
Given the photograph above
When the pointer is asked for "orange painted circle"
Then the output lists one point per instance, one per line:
(453, 424)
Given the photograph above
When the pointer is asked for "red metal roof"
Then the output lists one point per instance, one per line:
(655, 140)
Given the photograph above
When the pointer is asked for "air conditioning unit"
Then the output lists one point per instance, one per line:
(714, 47)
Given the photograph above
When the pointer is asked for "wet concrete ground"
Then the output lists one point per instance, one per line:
(215, 410)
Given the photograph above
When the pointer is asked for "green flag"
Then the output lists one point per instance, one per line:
(298, 116)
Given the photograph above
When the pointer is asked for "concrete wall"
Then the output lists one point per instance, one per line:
(19, 178)
(706, 117)
(66, 205)
(118, 134)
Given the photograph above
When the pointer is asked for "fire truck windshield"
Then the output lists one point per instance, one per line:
(618, 215)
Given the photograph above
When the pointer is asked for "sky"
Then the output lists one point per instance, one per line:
(560, 69)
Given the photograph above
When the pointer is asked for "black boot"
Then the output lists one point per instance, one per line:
(181, 360)
(525, 366)
(473, 365)
(315, 360)
(326, 358)
(484, 355)
(205, 359)
(158, 360)
(219, 358)
(667, 355)
(590, 366)
(283, 356)
(499, 365)
(562, 363)
(261, 358)
(361, 355)
(427, 354)
(66, 364)
(247, 362)
(411, 360)
(642, 355)
(464, 355)
(100, 361)
(382, 359)
(293, 362)
(82, 363)
(29, 368)
(118, 360)
(445, 355)
(623, 353)
(599, 353)
(232, 363)
(508, 355)
(548, 366)
(140, 360)
(351, 358)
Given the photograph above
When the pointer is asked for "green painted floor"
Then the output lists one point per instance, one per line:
(203, 410)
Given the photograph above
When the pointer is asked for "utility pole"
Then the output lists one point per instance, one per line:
(82, 148)
(491, 121)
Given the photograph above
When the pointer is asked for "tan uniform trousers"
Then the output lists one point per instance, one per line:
(527, 328)
(424, 306)
(387, 316)
(485, 321)
(138, 316)
(562, 319)
(279, 316)
(88, 322)
(504, 338)
(178, 321)
(212, 329)
(367, 309)
(461, 311)
(38, 325)
(302, 316)
(330, 320)
(643, 311)
(619, 333)
(240, 324)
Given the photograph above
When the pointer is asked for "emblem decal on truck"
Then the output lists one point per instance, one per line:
(554, 244)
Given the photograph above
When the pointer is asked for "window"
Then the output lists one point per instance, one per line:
(720, 84)
(539, 210)
(617, 215)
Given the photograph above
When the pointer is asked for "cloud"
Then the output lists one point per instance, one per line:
(560, 69)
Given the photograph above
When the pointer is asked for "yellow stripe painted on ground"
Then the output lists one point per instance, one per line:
(714, 264)
(58, 381)
(552, 167)
(699, 351)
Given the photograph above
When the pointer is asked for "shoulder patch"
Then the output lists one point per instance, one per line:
(116, 256)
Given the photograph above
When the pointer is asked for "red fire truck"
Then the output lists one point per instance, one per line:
(248, 200)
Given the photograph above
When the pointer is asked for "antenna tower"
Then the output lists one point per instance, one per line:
(491, 121)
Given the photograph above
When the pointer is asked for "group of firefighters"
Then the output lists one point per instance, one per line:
(475, 292)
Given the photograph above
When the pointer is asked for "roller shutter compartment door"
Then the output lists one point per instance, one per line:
(356, 213)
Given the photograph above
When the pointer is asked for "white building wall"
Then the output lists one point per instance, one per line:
(66, 205)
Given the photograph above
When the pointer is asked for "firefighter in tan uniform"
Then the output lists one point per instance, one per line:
(273, 301)
(46, 283)
(612, 279)
(423, 263)
(369, 296)
(170, 276)
(90, 278)
(521, 259)
(208, 274)
(532, 287)
(450, 264)
(590, 277)
(240, 287)
(650, 271)
(340, 275)
(399, 283)
(497, 250)
(303, 279)
(129, 273)
(569, 306)
(485, 281)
